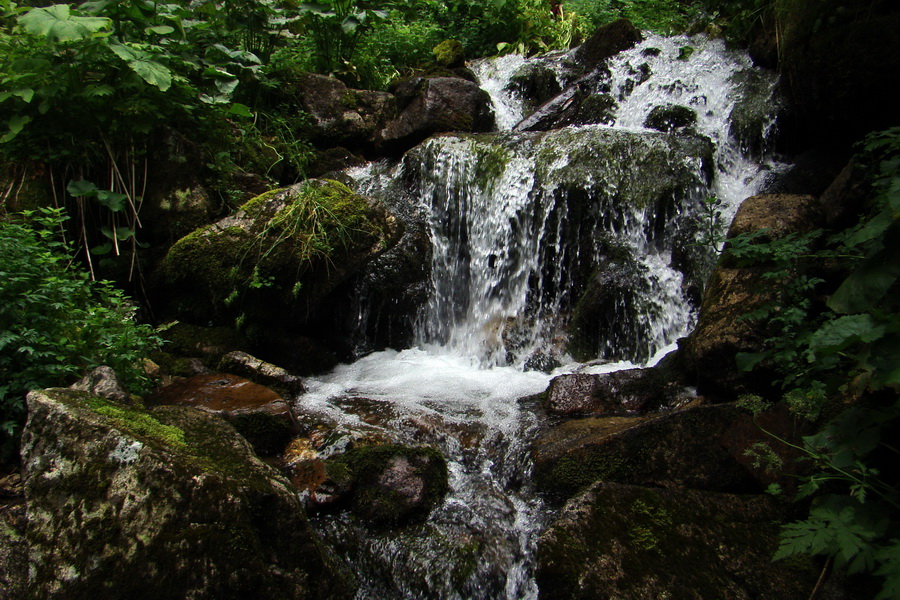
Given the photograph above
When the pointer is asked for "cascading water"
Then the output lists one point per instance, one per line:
(531, 233)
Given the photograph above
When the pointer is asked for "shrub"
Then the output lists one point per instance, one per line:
(55, 323)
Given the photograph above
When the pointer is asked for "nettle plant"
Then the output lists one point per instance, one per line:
(838, 355)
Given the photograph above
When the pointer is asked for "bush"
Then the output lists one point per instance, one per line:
(55, 323)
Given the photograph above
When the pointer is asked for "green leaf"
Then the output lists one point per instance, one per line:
(226, 86)
(160, 29)
(836, 335)
(81, 188)
(142, 63)
(112, 200)
(57, 24)
(746, 361)
(16, 123)
(869, 283)
(102, 249)
(240, 110)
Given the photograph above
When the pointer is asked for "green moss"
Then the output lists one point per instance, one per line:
(449, 53)
(361, 468)
(491, 162)
(137, 422)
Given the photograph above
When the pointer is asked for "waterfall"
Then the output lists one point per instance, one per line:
(547, 245)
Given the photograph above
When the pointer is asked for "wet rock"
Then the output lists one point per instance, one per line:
(258, 413)
(535, 83)
(435, 105)
(700, 447)
(605, 42)
(263, 373)
(708, 353)
(449, 54)
(628, 391)
(572, 107)
(756, 107)
(622, 541)
(598, 325)
(103, 382)
(168, 503)
(670, 117)
(390, 484)
(274, 262)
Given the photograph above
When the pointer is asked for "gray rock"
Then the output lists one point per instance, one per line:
(341, 116)
(103, 382)
(436, 105)
(263, 373)
(170, 503)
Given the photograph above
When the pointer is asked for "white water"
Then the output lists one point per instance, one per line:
(460, 389)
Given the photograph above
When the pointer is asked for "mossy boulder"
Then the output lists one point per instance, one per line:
(605, 42)
(623, 541)
(390, 484)
(337, 115)
(275, 261)
(168, 503)
(257, 412)
(449, 54)
(700, 447)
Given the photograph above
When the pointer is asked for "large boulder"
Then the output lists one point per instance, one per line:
(169, 503)
(605, 42)
(338, 115)
(632, 391)
(535, 83)
(708, 353)
(622, 541)
(275, 261)
(700, 447)
(434, 105)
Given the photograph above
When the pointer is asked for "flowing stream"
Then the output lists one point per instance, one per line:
(522, 227)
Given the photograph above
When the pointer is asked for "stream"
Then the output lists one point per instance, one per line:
(523, 225)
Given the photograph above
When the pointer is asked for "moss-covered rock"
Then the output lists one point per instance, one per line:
(622, 541)
(605, 42)
(169, 503)
(700, 447)
(273, 262)
(390, 484)
(449, 54)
